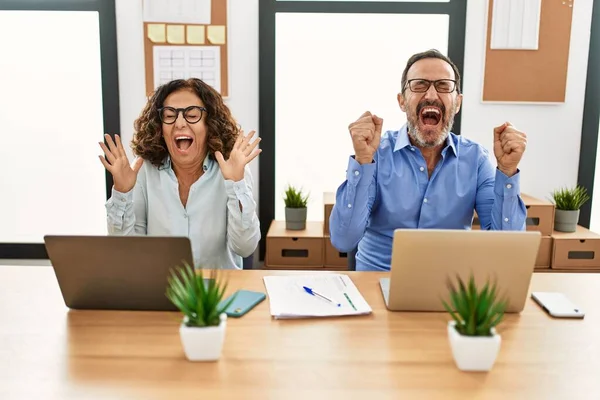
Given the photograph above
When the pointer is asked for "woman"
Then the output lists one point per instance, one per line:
(190, 178)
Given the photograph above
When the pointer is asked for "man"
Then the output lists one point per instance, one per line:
(424, 176)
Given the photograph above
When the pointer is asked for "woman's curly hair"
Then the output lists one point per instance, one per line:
(222, 129)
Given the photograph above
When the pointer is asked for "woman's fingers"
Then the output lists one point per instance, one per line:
(107, 153)
(238, 141)
(120, 146)
(111, 145)
(106, 164)
(251, 146)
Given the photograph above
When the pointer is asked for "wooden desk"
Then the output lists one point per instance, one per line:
(49, 352)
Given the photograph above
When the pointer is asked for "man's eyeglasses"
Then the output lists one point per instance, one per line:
(422, 85)
(191, 114)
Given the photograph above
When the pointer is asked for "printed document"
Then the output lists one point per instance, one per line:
(335, 295)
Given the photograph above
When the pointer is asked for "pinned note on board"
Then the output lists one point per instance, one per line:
(516, 24)
(216, 34)
(176, 34)
(195, 34)
(156, 33)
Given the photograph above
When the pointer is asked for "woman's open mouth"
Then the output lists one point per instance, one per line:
(430, 116)
(183, 143)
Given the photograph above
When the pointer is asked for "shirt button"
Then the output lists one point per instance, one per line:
(356, 173)
(123, 200)
(508, 186)
(412, 149)
(421, 169)
(349, 205)
(425, 200)
(505, 219)
(185, 216)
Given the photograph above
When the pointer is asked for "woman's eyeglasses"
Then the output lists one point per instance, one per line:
(191, 114)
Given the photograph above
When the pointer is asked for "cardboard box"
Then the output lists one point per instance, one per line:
(576, 250)
(333, 257)
(544, 257)
(328, 202)
(540, 215)
(287, 248)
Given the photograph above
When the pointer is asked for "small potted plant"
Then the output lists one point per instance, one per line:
(568, 202)
(202, 330)
(472, 331)
(295, 209)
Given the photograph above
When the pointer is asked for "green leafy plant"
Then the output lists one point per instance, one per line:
(200, 301)
(475, 311)
(570, 198)
(294, 198)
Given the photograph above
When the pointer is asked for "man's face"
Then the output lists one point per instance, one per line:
(430, 114)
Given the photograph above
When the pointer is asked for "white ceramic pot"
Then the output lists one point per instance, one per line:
(473, 353)
(203, 344)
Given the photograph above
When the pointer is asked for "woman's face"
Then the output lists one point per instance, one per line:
(185, 135)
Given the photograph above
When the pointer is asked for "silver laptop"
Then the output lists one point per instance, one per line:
(424, 259)
(116, 272)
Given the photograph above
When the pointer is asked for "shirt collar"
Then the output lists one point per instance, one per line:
(403, 141)
(206, 164)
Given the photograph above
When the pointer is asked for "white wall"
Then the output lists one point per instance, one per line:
(243, 66)
(554, 131)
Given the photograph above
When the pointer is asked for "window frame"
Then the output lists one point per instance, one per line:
(591, 119)
(455, 9)
(110, 87)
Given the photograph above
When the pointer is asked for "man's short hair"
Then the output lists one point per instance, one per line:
(433, 53)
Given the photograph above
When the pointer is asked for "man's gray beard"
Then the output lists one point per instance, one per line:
(416, 135)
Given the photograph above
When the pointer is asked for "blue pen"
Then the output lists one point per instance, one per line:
(312, 292)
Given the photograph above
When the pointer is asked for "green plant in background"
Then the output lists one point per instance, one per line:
(200, 301)
(570, 199)
(294, 198)
(476, 311)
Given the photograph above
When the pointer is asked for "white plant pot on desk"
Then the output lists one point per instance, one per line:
(203, 343)
(473, 353)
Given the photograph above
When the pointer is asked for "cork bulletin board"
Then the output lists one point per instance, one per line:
(531, 76)
(183, 39)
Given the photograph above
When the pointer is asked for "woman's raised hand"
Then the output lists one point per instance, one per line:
(116, 162)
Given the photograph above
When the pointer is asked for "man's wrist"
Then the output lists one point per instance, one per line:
(363, 160)
(508, 171)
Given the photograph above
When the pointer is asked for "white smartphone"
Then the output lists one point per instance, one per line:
(557, 305)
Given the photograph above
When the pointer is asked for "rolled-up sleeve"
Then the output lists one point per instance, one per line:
(353, 204)
(243, 226)
(509, 212)
(126, 212)
(498, 202)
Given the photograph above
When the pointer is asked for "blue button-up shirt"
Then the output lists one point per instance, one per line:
(395, 192)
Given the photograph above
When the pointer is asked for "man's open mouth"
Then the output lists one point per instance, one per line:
(430, 115)
(183, 142)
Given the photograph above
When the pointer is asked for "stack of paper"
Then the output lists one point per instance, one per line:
(333, 295)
